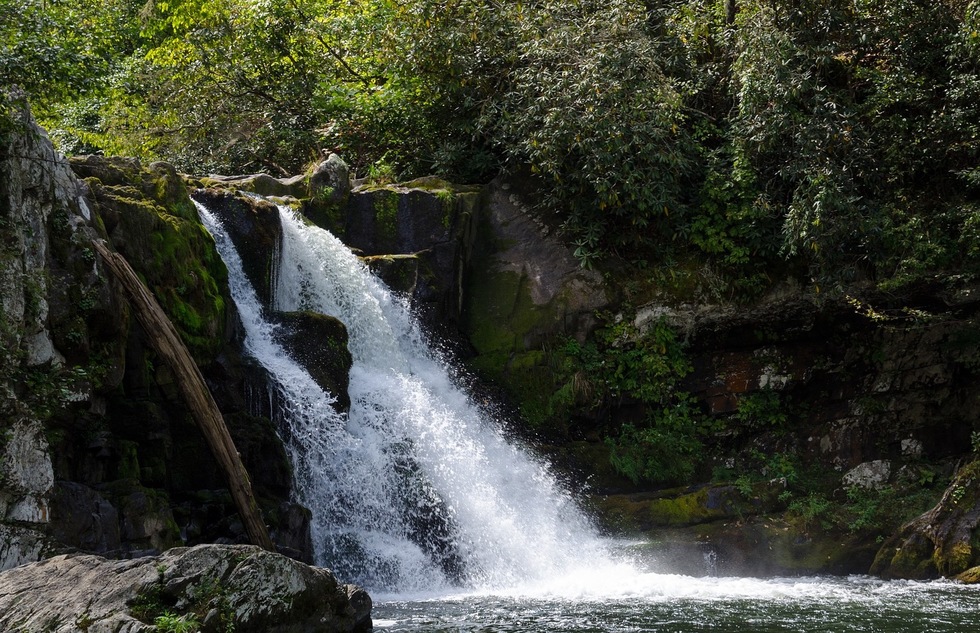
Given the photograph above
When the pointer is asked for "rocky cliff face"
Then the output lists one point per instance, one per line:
(842, 417)
(52, 298)
(100, 453)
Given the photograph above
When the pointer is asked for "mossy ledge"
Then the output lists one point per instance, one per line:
(151, 220)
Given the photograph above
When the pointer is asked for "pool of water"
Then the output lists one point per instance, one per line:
(657, 602)
(630, 593)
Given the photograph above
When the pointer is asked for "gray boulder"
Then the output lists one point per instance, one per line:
(220, 587)
(330, 181)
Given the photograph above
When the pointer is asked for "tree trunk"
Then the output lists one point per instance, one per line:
(166, 342)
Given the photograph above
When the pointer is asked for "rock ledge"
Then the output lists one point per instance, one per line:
(220, 587)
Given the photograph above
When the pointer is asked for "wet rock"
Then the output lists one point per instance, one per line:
(428, 219)
(871, 475)
(220, 587)
(330, 181)
(970, 576)
(318, 343)
(256, 231)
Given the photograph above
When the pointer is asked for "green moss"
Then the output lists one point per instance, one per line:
(954, 559)
(386, 216)
(326, 214)
(500, 313)
(399, 272)
(160, 234)
(970, 576)
(128, 466)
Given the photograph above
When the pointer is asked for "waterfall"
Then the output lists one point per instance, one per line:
(415, 489)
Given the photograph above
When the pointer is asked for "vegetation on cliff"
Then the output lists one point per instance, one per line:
(837, 139)
(720, 145)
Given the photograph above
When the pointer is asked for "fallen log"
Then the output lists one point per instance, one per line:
(164, 339)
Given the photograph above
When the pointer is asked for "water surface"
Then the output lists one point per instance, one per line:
(666, 603)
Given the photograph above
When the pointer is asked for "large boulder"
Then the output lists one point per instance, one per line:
(330, 181)
(941, 542)
(216, 587)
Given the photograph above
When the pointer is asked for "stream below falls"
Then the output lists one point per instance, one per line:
(631, 599)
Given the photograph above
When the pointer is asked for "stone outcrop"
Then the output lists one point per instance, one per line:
(256, 231)
(215, 588)
(524, 291)
(330, 181)
(54, 308)
(98, 450)
(319, 343)
(941, 542)
(419, 236)
(874, 395)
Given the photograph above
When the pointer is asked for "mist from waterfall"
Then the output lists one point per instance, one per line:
(415, 489)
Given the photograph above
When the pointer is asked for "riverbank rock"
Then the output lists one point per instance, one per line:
(942, 541)
(216, 588)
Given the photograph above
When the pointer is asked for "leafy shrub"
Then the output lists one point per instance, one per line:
(664, 451)
(170, 623)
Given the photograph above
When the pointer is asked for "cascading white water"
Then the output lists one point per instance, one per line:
(415, 489)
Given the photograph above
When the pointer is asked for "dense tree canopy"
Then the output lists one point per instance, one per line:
(835, 138)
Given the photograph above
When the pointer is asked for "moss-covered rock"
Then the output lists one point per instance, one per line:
(524, 292)
(945, 541)
(970, 576)
(678, 508)
(151, 220)
(399, 272)
(261, 184)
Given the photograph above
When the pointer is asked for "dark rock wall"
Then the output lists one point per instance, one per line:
(100, 453)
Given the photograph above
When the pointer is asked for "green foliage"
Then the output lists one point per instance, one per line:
(761, 410)
(834, 140)
(621, 365)
(870, 509)
(810, 509)
(665, 450)
(51, 389)
(591, 111)
(170, 623)
(153, 605)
